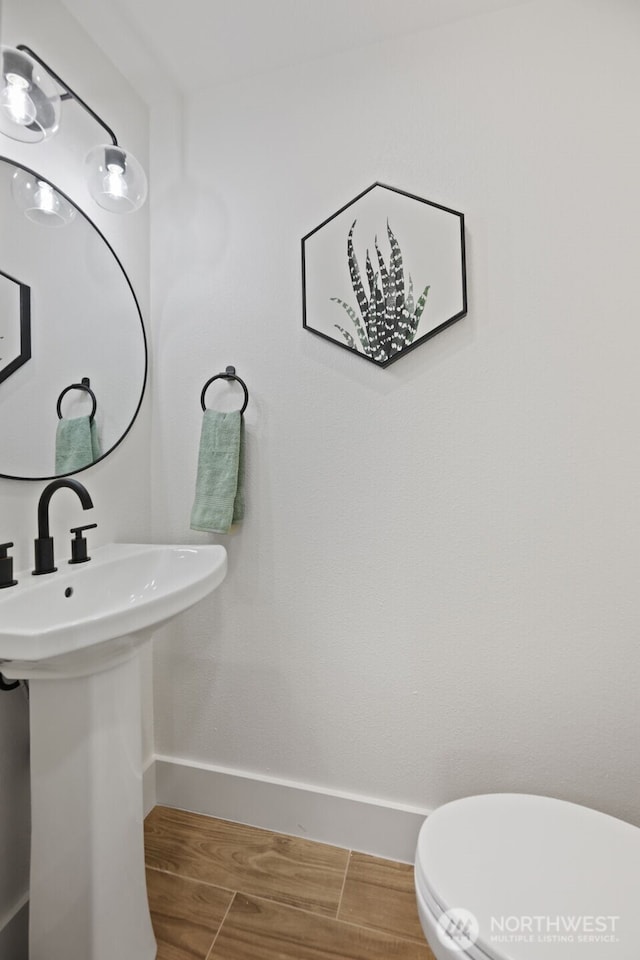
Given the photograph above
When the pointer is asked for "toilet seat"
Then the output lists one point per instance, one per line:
(544, 878)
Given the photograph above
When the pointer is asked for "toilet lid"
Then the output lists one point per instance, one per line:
(544, 879)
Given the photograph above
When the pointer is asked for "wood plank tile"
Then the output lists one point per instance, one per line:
(290, 870)
(257, 929)
(186, 915)
(380, 894)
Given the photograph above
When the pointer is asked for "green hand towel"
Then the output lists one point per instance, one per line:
(219, 499)
(77, 444)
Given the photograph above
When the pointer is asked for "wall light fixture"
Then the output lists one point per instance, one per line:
(30, 111)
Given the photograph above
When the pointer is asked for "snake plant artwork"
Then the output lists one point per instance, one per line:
(388, 312)
(405, 284)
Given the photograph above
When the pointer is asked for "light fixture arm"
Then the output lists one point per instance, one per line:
(69, 94)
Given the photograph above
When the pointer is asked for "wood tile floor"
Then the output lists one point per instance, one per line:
(223, 891)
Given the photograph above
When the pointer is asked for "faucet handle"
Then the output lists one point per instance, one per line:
(6, 567)
(79, 543)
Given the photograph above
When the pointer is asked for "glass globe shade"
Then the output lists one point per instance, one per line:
(39, 201)
(29, 100)
(115, 179)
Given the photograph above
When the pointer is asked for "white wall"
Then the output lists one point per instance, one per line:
(120, 485)
(434, 591)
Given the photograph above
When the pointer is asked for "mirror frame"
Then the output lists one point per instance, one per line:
(12, 476)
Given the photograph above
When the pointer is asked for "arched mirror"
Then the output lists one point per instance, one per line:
(68, 314)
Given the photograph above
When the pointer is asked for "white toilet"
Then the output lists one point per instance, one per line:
(516, 877)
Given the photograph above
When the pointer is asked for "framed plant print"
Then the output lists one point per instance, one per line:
(15, 324)
(384, 273)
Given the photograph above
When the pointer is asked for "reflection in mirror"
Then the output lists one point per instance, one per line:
(77, 440)
(39, 201)
(85, 325)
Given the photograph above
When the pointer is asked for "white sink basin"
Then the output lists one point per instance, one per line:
(123, 589)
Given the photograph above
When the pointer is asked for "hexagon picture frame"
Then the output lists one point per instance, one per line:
(15, 324)
(384, 273)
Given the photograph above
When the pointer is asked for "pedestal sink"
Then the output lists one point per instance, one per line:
(75, 635)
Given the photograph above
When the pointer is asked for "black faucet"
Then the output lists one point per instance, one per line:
(44, 543)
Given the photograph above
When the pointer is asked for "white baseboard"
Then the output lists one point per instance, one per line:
(355, 822)
(14, 931)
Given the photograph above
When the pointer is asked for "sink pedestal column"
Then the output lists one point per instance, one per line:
(88, 891)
